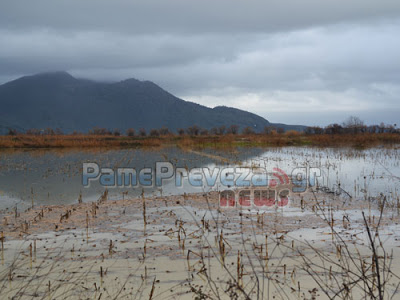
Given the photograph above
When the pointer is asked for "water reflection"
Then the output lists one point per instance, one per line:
(55, 176)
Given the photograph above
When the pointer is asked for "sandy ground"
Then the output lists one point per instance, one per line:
(186, 247)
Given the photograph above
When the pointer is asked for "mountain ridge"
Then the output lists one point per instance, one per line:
(59, 100)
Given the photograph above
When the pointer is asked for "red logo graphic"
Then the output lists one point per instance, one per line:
(280, 176)
(275, 195)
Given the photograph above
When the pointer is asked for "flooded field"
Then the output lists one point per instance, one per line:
(55, 176)
(176, 242)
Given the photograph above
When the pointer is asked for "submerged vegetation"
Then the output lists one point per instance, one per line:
(329, 244)
(326, 245)
(125, 250)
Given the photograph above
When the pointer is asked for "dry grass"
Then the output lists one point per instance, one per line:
(290, 138)
(76, 141)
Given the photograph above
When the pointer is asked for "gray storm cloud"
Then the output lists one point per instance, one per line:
(290, 61)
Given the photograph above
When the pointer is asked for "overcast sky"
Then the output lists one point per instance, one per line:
(298, 62)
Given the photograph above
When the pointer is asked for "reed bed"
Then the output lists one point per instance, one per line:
(360, 140)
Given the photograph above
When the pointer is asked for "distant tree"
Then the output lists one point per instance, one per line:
(193, 130)
(59, 131)
(221, 130)
(48, 131)
(309, 130)
(12, 131)
(33, 131)
(117, 132)
(204, 132)
(99, 131)
(317, 130)
(280, 130)
(154, 133)
(373, 129)
(334, 129)
(248, 130)
(337, 129)
(354, 125)
(181, 131)
(382, 127)
(233, 129)
(214, 131)
(353, 121)
(142, 132)
(130, 132)
(268, 129)
(391, 129)
(163, 131)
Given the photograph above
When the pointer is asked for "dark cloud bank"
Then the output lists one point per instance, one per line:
(307, 62)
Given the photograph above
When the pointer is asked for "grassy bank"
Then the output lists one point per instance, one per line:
(361, 140)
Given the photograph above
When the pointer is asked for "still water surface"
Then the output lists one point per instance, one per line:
(55, 177)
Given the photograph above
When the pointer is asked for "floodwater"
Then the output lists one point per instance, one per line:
(174, 245)
(55, 176)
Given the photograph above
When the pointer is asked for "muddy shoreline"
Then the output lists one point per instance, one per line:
(182, 246)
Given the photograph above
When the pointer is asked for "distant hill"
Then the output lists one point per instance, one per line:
(58, 100)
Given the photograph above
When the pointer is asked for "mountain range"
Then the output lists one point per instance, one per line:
(59, 100)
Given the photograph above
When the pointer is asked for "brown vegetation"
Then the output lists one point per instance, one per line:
(352, 133)
(155, 139)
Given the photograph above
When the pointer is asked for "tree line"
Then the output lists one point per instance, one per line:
(353, 125)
